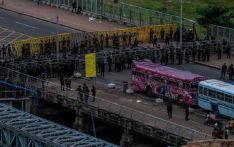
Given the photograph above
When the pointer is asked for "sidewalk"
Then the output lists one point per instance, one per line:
(66, 18)
(217, 63)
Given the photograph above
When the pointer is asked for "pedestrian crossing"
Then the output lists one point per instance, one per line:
(9, 36)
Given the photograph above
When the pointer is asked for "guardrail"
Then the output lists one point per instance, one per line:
(70, 94)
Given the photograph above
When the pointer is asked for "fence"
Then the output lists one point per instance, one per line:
(100, 103)
(138, 16)
(220, 32)
(122, 12)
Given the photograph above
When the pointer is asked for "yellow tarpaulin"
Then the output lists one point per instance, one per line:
(90, 65)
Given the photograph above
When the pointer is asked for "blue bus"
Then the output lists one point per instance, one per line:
(216, 96)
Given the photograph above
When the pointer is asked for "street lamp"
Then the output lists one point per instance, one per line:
(181, 24)
(57, 40)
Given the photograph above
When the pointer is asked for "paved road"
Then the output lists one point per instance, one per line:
(29, 26)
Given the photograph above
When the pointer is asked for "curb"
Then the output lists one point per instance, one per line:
(21, 13)
(207, 65)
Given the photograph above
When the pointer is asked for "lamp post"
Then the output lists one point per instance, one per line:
(181, 24)
(57, 40)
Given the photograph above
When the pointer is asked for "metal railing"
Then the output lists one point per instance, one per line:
(122, 12)
(50, 88)
(138, 16)
(220, 32)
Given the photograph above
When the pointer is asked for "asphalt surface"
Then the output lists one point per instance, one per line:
(30, 26)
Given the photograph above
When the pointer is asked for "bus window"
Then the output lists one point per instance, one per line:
(212, 93)
(220, 96)
(200, 90)
(194, 85)
(228, 98)
(205, 91)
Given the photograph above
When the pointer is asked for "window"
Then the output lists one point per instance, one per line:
(228, 98)
(212, 93)
(205, 91)
(187, 85)
(200, 90)
(220, 96)
(194, 85)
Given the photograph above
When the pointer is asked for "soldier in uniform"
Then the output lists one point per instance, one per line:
(219, 51)
(109, 63)
(107, 40)
(117, 41)
(41, 47)
(155, 40)
(114, 41)
(172, 55)
(194, 51)
(187, 55)
(162, 32)
(207, 53)
(199, 52)
(124, 38)
(151, 35)
(162, 56)
(171, 34)
(129, 39)
(166, 56)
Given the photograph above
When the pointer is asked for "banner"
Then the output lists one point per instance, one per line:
(90, 65)
(35, 43)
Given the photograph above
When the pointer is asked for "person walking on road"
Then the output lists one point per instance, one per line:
(62, 82)
(80, 94)
(93, 90)
(228, 50)
(223, 71)
(186, 112)
(169, 110)
(74, 6)
(230, 72)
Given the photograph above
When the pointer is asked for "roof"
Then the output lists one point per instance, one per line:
(167, 71)
(219, 85)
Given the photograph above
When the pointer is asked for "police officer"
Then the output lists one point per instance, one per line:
(151, 35)
(107, 40)
(155, 40)
(166, 56)
(187, 55)
(172, 55)
(93, 90)
(162, 56)
(194, 51)
(109, 60)
(219, 51)
(101, 41)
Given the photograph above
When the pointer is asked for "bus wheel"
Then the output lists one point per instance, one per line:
(180, 99)
(149, 91)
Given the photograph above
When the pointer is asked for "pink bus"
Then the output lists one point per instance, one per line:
(181, 86)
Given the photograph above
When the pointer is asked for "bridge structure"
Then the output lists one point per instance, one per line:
(20, 129)
(131, 119)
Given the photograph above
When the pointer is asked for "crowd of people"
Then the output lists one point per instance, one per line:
(84, 93)
(229, 70)
(7, 52)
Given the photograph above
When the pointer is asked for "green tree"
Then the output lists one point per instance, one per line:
(214, 14)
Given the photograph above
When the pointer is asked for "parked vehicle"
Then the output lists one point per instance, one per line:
(178, 85)
(216, 96)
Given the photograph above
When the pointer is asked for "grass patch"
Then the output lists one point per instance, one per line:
(173, 6)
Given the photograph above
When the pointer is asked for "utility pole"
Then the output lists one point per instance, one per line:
(57, 40)
(181, 24)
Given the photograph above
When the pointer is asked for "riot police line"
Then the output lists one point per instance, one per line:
(162, 53)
